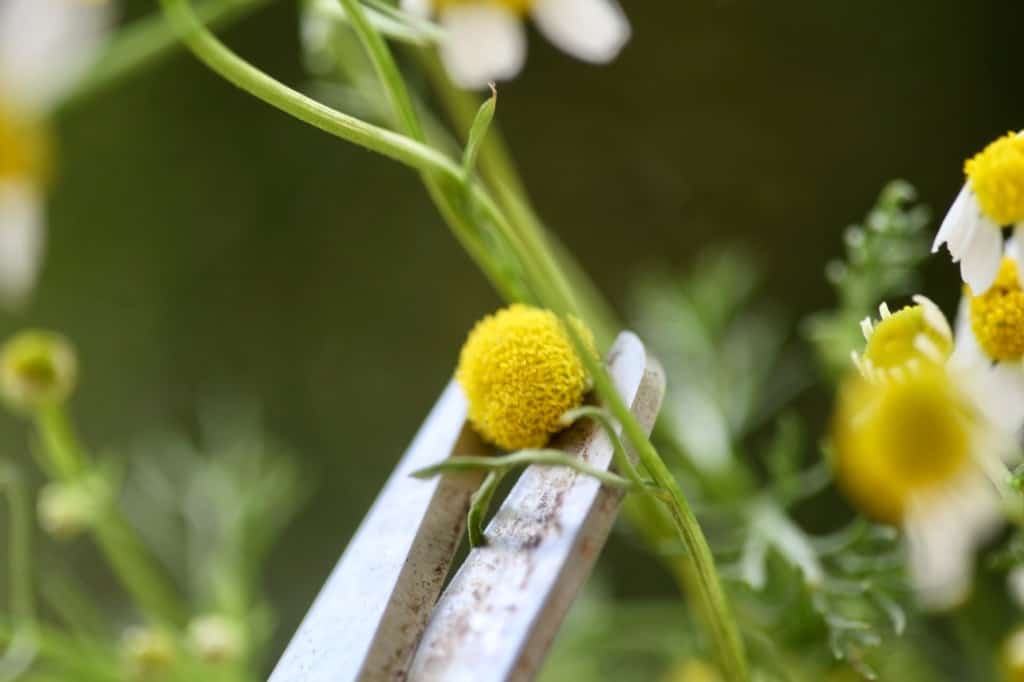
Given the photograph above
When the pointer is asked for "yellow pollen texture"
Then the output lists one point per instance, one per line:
(894, 439)
(997, 316)
(517, 6)
(892, 342)
(996, 175)
(519, 372)
(24, 148)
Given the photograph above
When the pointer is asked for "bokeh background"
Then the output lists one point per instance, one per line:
(205, 246)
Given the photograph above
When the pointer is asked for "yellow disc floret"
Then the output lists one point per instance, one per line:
(997, 316)
(996, 175)
(520, 373)
(906, 336)
(896, 439)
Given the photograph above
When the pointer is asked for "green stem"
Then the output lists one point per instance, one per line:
(622, 461)
(542, 457)
(404, 110)
(401, 148)
(500, 171)
(128, 557)
(479, 503)
(715, 603)
(19, 542)
(64, 455)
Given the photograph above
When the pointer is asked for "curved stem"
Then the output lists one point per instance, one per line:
(407, 151)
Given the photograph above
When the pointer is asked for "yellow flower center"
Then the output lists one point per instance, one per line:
(997, 316)
(24, 148)
(996, 175)
(520, 373)
(516, 6)
(896, 439)
(900, 338)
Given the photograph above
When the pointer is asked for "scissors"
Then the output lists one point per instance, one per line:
(379, 615)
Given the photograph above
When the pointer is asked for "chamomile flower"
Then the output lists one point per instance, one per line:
(991, 199)
(903, 341)
(44, 47)
(914, 445)
(520, 373)
(486, 39)
(912, 453)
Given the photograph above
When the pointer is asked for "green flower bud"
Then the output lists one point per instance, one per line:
(147, 651)
(215, 638)
(67, 509)
(38, 370)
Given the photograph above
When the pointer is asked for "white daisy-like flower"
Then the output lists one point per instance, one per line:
(486, 39)
(913, 448)
(991, 199)
(45, 46)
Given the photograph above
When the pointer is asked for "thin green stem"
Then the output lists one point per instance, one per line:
(715, 603)
(622, 461)
(500, 171)
(19, 544)
(64, 455)
(131, 562)
(542, 457)
(479, 503)
(401, 148)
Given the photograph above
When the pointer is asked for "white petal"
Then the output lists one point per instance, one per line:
(967, 354)
(933, 315)
(1015, 243)
(943, 532)
(981, 256)
(998, 392)
(21, 241)
(486, 42)
(45, 45)
(954, 220)
(591, 30)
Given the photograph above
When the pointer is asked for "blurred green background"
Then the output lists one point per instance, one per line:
(203, 245)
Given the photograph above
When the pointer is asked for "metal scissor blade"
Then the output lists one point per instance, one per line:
(496, 620)
(372, 609)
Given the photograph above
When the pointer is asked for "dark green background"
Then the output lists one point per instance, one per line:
(203, 244)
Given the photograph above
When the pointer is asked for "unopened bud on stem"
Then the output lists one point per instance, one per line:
(38, 369)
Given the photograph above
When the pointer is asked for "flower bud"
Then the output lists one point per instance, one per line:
(215, 638)
(66, 509)
(38, 370)
(147, 651)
